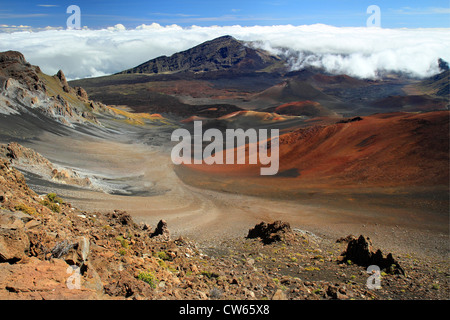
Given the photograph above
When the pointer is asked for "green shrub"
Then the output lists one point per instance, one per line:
(163, 255)
(149, 278)
(52, 197)
(311, 268)
(52, 206)
(52, 201)
(25, 209)
(123, 242)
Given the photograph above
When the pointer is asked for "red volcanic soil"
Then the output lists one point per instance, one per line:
(382, 150)
(303, 108)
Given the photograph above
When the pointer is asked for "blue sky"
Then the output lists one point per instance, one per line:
(132, 13)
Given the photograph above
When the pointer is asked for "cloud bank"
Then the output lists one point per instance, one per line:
(360, 52)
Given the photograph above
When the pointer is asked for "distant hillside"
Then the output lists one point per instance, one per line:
(222, 53)
(439, 84)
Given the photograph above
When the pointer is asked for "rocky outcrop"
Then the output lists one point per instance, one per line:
(31, 161)
(271, 232)
(161, 231)
(24, 87)
(121, 217)
(62, 79)
(14, 244)
(360, 251)
(13, 184)
(13, 65)
(41, 280)
(81, 93)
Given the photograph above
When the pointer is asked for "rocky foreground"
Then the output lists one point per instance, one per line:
(50, 250)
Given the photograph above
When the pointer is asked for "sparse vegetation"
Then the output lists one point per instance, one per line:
(163, 256)
(53, 202)
(53, 197)
(25, 209)
(311, 268)
(149, 278)
(124, 243)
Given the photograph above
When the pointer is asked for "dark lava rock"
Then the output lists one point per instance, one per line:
(355, 119)
(268, 233)
(361, 252)
(161, 230)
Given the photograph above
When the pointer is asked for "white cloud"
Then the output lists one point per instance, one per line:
(117, 27)
(361, 52)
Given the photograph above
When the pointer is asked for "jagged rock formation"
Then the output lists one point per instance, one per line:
(31, 161)
(13, 65)
(24, 89)
(223, 53)
(161, 231)
(271, 232)
(360, 251)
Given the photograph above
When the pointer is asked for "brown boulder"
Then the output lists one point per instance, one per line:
(123, 284)
(334, 292)
(14, 244)
(121, 217)
(279, 295)
(38, 279)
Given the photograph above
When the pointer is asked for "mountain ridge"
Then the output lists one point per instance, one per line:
(223, 53)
